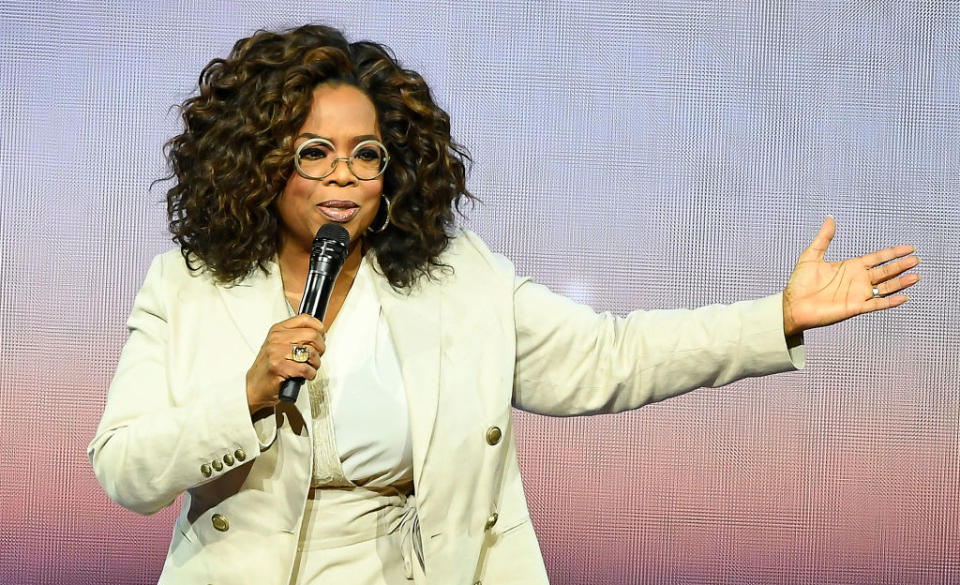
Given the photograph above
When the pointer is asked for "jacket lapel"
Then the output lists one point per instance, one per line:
(414, 321)
(255, 304)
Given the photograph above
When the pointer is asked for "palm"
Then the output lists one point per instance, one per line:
(820, 293)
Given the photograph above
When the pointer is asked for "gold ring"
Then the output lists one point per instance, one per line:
(301, 353)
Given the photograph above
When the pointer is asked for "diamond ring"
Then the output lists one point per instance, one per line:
(301, 353)
(876, 293)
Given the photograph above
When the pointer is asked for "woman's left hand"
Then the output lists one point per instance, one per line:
(821, 293)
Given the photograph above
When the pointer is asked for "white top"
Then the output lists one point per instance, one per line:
(357, 399)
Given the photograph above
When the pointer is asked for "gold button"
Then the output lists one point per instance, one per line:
(205, 470)
(493, 435)
(492, 520)
(228, 459)
(217, 464)
(240, 454)
(220, 522)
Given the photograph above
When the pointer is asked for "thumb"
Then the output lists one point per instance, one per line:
(818, 248)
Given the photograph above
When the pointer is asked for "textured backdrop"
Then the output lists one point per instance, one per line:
(628, 155)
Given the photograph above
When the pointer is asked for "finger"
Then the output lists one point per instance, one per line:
(311, 340)
(885, 272)
(898, 284)
(887, 254)
(289, 369)
(818, 247)
(287, 338)
(883, 303)
(300, 321)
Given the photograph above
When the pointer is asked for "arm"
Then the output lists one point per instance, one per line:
(154, 440)
(571, 360)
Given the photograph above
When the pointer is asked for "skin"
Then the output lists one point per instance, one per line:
(818, 292)
(344, 115)
(821, 293)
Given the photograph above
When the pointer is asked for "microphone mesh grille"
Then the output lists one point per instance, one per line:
(333, 232)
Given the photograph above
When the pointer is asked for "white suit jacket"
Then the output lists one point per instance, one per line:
(471, 344)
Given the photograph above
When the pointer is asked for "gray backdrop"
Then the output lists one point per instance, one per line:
(629, 155)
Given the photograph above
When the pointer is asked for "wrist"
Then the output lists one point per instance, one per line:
(790, 327)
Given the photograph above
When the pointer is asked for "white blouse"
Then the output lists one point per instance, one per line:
(357, 399)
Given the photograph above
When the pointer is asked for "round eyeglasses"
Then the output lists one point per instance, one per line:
(317, 159)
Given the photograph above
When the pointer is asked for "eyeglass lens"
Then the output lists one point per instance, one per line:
(317, 158)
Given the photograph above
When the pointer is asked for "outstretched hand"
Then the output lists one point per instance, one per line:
(821, 293)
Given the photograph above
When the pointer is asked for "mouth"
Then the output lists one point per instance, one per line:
(338, 210)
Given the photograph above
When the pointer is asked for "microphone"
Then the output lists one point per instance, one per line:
(326, 258)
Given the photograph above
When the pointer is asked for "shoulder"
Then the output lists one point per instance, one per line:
(470, 257)
(169, 270)
(170, 273)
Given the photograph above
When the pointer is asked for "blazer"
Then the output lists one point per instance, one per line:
(472, 343)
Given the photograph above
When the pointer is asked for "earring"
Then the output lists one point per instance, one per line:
(385, 204)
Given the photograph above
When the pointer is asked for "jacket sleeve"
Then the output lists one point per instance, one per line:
(155, 441)
(571, 360)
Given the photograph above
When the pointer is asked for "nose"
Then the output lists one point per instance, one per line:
(341, 174)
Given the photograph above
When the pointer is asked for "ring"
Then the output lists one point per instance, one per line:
(301, 353)
(876, 293)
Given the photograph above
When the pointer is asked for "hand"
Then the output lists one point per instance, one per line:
(821, 293)
(274, 363)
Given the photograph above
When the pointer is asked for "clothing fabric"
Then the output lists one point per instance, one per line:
(357, 400)
(471, 343)
(359, 527)
(357, 536)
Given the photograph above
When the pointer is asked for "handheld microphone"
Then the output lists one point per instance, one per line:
(326, 258)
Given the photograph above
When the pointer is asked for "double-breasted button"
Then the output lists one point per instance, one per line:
(240, 454)
(492, 520)
(217, 464)
(228, 459)
(220, 522)
(494, 434)
(205, 470)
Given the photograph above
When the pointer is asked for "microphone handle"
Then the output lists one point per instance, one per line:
(316, 295)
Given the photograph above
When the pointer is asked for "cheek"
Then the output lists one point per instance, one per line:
(296, 189)
(371, 195)
(291, 203)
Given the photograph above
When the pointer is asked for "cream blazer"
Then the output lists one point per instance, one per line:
(471, 344)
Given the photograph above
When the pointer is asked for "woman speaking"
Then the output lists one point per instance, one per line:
(397, 461)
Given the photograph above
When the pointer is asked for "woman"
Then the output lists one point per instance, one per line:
(398, 462)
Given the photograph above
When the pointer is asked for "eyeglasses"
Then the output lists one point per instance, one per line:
(317, 159)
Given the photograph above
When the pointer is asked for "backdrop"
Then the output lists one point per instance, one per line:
(629, 155)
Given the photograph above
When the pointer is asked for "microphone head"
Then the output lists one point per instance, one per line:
(328, 234)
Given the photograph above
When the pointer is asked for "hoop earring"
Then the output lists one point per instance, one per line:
(386, 216)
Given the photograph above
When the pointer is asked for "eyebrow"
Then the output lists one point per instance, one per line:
(354, 140)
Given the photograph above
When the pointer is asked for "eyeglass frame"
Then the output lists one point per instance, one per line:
(336, 160)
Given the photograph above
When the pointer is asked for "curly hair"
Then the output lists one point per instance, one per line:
(236, 153)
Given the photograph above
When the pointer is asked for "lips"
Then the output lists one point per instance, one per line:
(338, 210)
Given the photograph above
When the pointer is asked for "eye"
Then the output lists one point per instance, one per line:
(313, 153)
(368, 154)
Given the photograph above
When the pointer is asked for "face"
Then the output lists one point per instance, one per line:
(345, 116)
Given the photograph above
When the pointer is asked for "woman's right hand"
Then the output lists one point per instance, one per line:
(275, 363)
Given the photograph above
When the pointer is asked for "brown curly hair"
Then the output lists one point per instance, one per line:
(236, 152)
